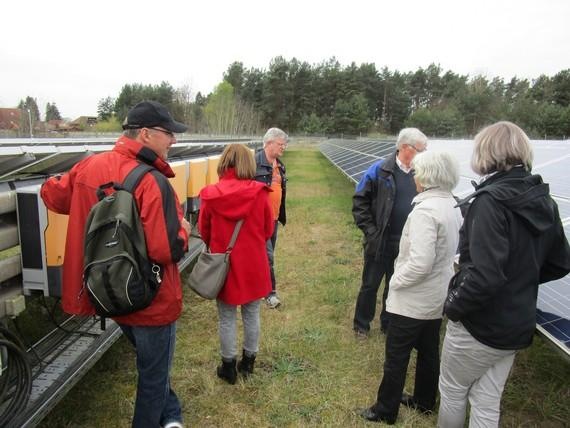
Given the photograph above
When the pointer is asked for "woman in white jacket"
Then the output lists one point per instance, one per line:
(418, 288)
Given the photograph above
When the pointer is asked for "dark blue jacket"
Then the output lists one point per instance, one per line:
(372, 203)
(264, 174)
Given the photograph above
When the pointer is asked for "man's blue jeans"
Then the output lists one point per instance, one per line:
(156, 403)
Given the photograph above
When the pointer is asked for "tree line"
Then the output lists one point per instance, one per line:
(329, 98)
(221, 112)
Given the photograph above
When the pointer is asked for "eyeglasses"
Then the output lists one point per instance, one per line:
(164, 131)
(416, 149)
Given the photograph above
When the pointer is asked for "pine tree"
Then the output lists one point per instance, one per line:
(52, 112)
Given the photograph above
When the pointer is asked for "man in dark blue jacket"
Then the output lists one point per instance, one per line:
(271, 171)
(381, 204)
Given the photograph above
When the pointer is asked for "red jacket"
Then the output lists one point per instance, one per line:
(159, 208)
(222, 205)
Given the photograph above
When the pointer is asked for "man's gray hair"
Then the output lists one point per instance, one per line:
(410, 136)
(499, 147)
(132, 133)
(436, 169)
(273, 134)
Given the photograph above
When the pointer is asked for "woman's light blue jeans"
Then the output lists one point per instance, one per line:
(228, 328)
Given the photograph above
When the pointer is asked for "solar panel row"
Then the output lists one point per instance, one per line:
(551, 160)
(49, 156)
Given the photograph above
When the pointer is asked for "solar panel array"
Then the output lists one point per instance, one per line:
(354, 157)
(24, 158)
(551, 161)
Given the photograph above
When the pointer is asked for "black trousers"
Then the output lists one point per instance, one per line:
(372, 274)
(405, 334)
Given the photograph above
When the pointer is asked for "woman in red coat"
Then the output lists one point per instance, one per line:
(236, 196)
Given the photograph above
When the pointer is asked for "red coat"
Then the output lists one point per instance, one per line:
(166, 240)
(222, 205)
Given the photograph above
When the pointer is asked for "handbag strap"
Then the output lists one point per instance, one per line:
(234, 236)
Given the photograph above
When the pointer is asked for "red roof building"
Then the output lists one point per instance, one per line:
(10, 118)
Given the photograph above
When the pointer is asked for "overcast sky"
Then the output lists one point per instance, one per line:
(74, 53)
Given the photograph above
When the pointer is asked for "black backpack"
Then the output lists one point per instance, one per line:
(117, 274)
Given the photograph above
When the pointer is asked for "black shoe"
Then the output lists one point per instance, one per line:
(227, 371)
(370, 415)
(245, 366)
(409, 401)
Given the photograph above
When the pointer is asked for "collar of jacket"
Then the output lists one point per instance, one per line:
(515, 173)
(431, 193)
(136, 150)
(229, 174)
(265, 161)
(390, 163)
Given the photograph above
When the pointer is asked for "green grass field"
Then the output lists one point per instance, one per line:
(311, 370)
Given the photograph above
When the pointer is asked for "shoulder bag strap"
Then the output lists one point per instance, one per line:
(234, 236)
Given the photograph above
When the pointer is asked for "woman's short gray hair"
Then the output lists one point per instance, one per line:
(411, 136)
(273, 134)
(436, 169)
(499, 147)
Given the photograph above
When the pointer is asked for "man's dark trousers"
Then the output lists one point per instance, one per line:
(372, 273)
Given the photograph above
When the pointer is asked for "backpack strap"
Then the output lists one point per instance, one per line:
(101, 190)
(135, 176)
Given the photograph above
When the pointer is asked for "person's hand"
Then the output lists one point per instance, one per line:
(184, 223)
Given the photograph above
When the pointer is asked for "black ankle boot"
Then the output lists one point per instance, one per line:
(227, 371)
(245, 366)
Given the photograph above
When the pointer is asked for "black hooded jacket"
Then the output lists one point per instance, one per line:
(511, 241)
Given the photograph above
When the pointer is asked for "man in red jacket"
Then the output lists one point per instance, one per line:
(149, 133)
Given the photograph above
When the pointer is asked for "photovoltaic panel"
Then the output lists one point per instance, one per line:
(551, 161)
(354, 157)
(25, 158)
(553, 307)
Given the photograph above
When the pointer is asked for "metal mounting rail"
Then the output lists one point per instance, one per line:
(64, 364)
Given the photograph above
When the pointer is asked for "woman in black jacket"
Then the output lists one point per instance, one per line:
(511, 241)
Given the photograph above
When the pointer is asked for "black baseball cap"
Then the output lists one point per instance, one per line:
(148, 114)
